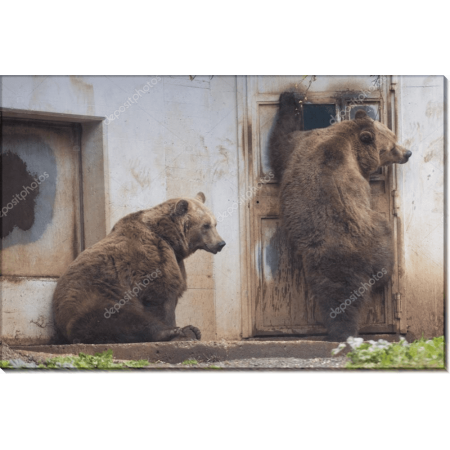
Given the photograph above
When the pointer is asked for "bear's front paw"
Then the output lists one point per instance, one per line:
(192, 332)
(290, 101)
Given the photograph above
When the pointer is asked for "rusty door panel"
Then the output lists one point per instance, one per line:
(44, 160)
(283, 282)
(281, 303)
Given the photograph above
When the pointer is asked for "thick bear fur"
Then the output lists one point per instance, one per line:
(126, 287)
(325, 207)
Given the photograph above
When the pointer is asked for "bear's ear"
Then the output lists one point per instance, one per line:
(200, 197)
(361, 114)
(181, 208)
(366, 136)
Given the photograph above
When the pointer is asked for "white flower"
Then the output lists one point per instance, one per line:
(19, 364)
(404, 342)
(354, 342)
(381, 344)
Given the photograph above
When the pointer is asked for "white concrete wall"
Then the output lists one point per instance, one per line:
(421, 182)
(178, 137)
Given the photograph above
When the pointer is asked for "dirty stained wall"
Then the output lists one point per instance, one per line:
(421, 128)
(177, 136)
(181, 135)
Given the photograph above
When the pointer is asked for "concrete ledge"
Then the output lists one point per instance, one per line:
(177, 352)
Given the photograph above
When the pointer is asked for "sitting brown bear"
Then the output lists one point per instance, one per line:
(325, 207)
(126, 287)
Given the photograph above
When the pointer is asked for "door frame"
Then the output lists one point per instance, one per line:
(247, 137)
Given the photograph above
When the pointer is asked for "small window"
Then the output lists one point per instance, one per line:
(318, 116)
(311, 116)
(371, 110)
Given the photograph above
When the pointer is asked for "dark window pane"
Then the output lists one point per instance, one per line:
(318, 116)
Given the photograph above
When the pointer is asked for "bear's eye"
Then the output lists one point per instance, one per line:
(207, 226)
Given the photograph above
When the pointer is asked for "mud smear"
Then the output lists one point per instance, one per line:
(19, 190)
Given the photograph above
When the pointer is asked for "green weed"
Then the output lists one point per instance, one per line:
(102, 361)
(420, 354)
(190, 362)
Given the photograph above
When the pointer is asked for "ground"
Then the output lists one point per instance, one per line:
(206, 355)
(263, 363)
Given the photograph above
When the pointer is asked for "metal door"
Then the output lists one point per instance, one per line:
(41, 201)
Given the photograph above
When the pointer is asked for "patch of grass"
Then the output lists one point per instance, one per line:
(5, 365)
(421, 354)
(214, 367)
(101, 361)
(190, 362)
(138, 364)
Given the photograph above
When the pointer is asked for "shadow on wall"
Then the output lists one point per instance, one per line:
(28, 168)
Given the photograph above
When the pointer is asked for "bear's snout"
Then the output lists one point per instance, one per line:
(406, 157)
(221, 245)
(214, 247)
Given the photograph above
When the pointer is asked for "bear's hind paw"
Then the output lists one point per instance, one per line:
(192, 332)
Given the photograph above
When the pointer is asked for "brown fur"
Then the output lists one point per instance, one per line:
(144, 251)
(325, 206)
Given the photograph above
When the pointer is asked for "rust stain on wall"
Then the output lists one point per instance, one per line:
(434, 110)
(140, 173)
(84, 92)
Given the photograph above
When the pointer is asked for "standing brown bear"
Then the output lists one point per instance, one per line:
(126, 287)
(325, 208)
